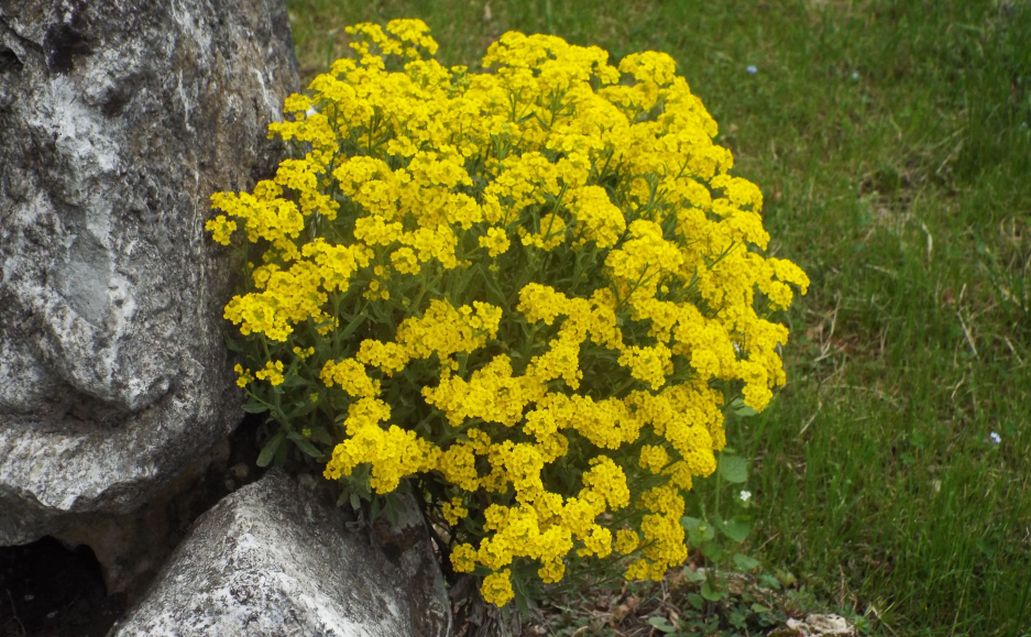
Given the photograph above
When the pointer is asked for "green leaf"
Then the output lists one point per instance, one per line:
(733, 469)
(693, 576)
(291, 379)
(787, 578)
(738, 618)
(305, 445)
(712, 593)
(352, 326)
(695, 600)
(281, 455)
(661, 624)
(270, 449)
(698, 531)
(713, 551)
(254, 407)
(522, 603)
(736, 529)
(770, 581)
(745, 562)
(318, 434)
(742, 410)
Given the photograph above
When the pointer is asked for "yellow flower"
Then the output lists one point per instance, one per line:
(243, 376)
(463, 558)
(654, 458)
(350, 376)
(272, 372)
(388, 357)
(550, 235)
(598, 542)
(221, 229)
(497, 588)
(552, 571)
(454, 511)
(495, 241)
(597, 218)
(626, 541)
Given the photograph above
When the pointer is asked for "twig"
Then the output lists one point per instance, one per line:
(930, 240)
(816, 413)
(966, 333)
(1013, 350)
(955, 389)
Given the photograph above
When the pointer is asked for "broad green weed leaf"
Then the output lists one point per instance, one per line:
(745, 562)
(736, 529)
(733, 469)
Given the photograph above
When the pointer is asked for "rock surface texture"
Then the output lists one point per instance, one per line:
(275, 558)
(118, 120)
(820, 626)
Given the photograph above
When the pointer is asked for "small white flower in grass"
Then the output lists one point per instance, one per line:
(745, 495)
(995, 437)
(752, 69)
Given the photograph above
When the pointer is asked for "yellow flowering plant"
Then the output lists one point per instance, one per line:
(531, 291)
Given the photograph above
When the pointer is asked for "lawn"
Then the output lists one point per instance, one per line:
(892, 141)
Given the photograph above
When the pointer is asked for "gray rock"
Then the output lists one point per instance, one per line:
(118, 120)
(276, 558)
(821, 626)
(816, 625)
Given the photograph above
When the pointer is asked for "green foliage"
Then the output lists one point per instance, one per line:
(720, 534)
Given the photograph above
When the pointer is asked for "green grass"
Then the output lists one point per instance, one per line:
(893, 143)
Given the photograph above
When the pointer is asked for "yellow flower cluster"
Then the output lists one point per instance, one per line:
(392, 453)
(536, 285)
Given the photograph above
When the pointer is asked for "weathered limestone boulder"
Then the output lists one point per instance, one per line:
(117, 121)
(276, 558)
